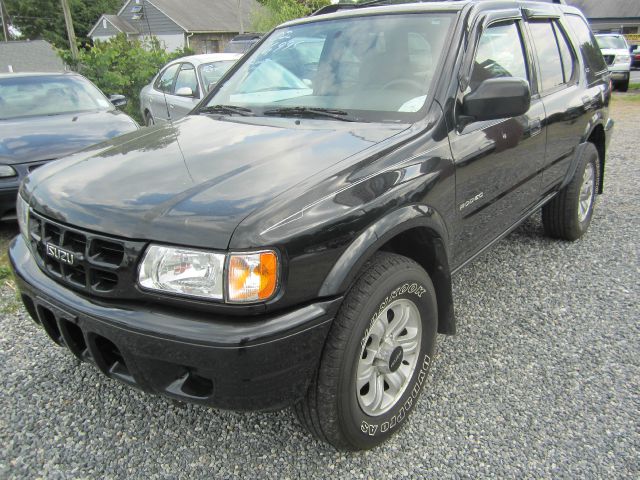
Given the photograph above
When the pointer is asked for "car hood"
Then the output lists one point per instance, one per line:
(33, 139)
(193, 182)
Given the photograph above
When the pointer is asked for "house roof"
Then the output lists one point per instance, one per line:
(208, 15)
(29, 56)
(608, 8)
(120, 23)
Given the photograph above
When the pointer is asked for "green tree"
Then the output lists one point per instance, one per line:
(44, 18)
(122, 66)
(276, 12)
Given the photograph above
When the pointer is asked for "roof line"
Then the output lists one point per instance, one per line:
(126, 4)
(166, 15)
(95, 25)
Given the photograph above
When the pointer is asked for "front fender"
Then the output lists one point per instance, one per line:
(430, 234)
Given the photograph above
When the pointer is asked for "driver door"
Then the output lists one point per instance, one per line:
(498, 162)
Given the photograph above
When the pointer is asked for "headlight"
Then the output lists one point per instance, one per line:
(249, 277)
(22, 212)
(6, 171)
(183, 271)
(623, 59)
(252, 277)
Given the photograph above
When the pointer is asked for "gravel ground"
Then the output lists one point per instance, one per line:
(543, 379)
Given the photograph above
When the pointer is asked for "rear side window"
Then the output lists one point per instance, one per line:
(588, 47)
(499, 54)
(551, 72)
(566, 54)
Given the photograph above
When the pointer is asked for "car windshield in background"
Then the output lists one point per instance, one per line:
(615, 43)
(377, 68)
(210, 73)
(44, 95)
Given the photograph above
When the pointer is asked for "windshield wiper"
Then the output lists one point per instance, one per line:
(228, 110)
(310, 113)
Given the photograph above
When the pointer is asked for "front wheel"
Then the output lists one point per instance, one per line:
(376, 358)
(568, 215)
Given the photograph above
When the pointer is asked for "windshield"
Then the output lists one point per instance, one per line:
(376, 68)
(210, 73)
(44, 95)
(611, 42)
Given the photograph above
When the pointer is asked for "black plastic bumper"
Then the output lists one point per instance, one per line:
(8, 196)
(238, 363)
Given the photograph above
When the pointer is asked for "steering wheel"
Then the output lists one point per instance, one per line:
(403, 81)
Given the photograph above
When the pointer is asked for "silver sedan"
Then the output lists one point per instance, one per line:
(181, 84)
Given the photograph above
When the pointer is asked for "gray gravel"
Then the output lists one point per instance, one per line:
(543, 379)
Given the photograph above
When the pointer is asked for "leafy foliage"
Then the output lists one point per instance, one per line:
(122, 66)
(276, 12)
(44, 18)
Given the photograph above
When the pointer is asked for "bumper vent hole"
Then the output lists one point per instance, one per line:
(31, 308)
(197, 386)
(112, 360)
(48, 322)
(74, 338)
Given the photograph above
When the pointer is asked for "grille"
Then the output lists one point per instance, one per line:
(609, 59)
(93, 263)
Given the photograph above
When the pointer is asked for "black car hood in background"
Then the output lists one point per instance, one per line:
(193, 182)
(32, 139)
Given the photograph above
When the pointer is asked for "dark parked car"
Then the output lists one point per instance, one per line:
(292, 240)
(46, 116)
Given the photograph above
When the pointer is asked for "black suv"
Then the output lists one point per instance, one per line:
(292, 240)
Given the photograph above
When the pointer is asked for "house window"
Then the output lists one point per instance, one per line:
(627, 30)
(104, 23)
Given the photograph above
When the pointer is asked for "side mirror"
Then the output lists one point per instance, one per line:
(497, 98)
(185, 92)
(118, 100)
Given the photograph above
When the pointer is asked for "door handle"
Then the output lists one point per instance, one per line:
(535, 127)
(588, 102)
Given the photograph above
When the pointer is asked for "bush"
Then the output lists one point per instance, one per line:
(122, 66)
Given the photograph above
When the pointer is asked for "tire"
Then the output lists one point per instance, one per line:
(345, 412)
(148, 119)
(623, 86)
(566, 216)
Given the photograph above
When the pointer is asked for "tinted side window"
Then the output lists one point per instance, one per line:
(499, 54)
(544, 38)
(165, 82)
(566, 54)
(588, 46)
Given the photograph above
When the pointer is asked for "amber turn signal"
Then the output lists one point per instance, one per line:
(252, 277)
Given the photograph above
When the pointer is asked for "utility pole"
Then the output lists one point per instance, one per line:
(5, 20)
(240, 17)
(70, 31)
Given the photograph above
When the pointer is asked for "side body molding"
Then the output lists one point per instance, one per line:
(426, 235)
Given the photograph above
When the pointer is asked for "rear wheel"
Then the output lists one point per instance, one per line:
(568, 215)
(624, 85)
(149, 121)
(376, 357)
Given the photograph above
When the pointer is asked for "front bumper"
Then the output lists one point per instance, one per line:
(620, 71)
(237, 363)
